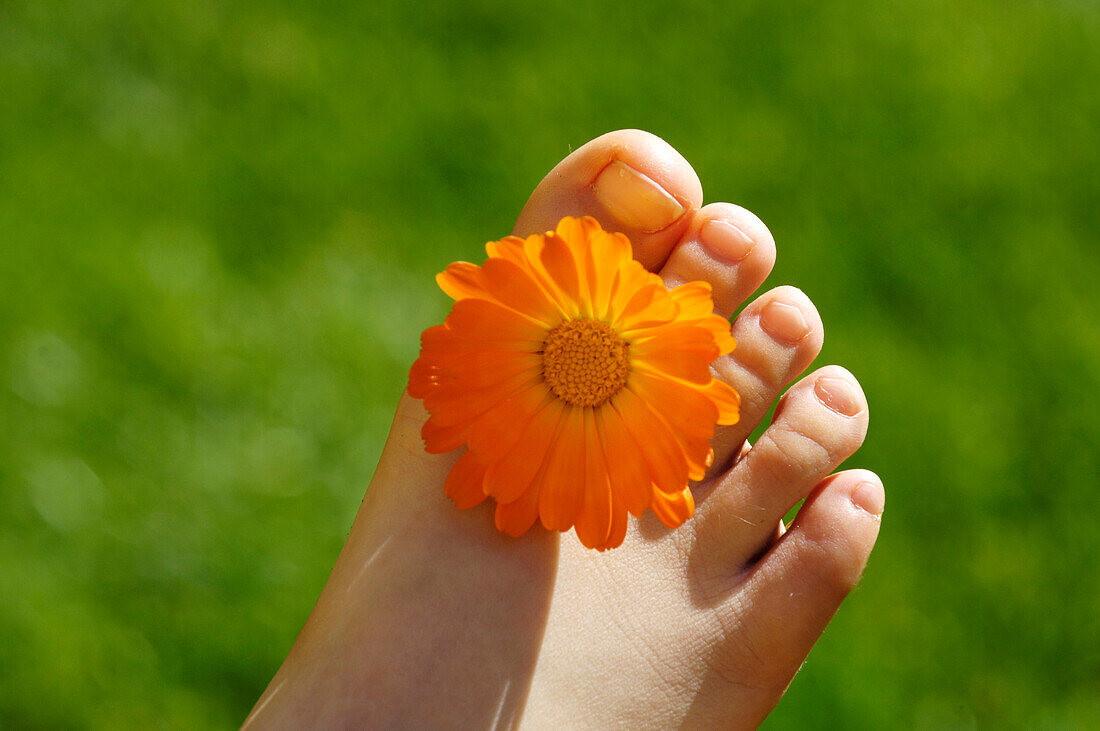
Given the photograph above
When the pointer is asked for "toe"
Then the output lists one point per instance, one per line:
(818, 424)
(630, 181)
(793, 592)
(727, 247)
(778, 336)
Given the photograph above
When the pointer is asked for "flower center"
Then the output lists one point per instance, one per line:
(584, 362)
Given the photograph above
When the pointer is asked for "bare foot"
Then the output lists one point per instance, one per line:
(434, 619)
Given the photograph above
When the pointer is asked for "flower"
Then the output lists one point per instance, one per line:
(579, 385)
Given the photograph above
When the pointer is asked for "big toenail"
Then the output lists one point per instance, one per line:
(726, 240)
(839, 395)
(784, 322)
(870, 498)
(634, 199)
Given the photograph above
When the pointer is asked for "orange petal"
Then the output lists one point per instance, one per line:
(517, 517)
(594, 521)
(439, 439)
(513, 474)
(434, 351)
(477, 319)
(618, 526)
(697, 308)
(561, 492)
(686, 409)
(463, 484)
(603, 257)
(681, 351)
(553, 262)
(421, 378)
(513, 287)
(462, 280)
(500, 428)
(719, 328)
(649, 306)
(673, 509)
(489, 367)
(698, 454)
(630, 481)
(692, 429)
(449, 406)
(667, 465)
(630, 278)
(509, 248)
(726, 399)
(694, 299)
(437, 337)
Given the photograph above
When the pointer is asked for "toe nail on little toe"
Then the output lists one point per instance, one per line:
(838, 395)
(869, 497)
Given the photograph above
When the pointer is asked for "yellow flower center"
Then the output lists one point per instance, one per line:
(584, 362)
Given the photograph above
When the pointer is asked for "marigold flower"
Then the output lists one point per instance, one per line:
(579, 385)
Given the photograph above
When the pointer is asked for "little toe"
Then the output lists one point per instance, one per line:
(778, 336)
(727, 247)
(795, 589)
(818, 424)
(631, 181)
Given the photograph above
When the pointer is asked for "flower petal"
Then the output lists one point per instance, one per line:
(629, 279)
(699, 455)
(726, 399)
(561, 492)
(686, 409)
(509, 248)
(673, 509)
(694, 299)
(630, 481)
(618, 526)
(517, 517)
(509, 477)
(462, 280)
(464, 483)
(478, 319)
(648, 307)
(422, 379)
(449, 406)
(441, 439)
(515, 288)
(593, 524)
(482, 369)
(606, 254)
(681, 351)
(553, 263)
(500, 428)
(667, 465)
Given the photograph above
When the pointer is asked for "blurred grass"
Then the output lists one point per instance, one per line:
(218, 223)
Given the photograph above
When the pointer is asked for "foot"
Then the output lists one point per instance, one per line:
(432, 618)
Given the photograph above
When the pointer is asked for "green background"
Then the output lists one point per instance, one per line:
(218, 226)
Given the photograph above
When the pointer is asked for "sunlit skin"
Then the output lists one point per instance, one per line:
(433, 618)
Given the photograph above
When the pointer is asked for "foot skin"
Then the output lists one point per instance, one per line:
(433, 619)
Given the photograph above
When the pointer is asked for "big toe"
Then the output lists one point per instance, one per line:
(631, 182)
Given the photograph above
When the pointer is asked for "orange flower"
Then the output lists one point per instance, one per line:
(579, 385)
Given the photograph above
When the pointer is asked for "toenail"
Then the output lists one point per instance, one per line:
(839, 395)
(634, 199)
(784, 322)
(726, 240)
(870, 498)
